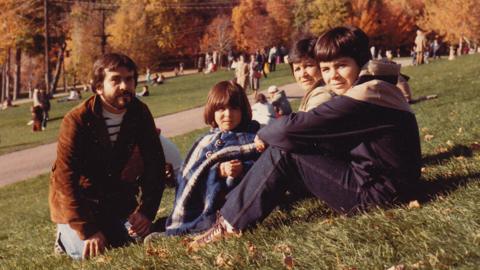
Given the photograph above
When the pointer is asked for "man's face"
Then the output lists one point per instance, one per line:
(118, 89)
(340, 74)
(306, 73)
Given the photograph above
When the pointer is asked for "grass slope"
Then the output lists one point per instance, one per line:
(442, 233)
(176, 94)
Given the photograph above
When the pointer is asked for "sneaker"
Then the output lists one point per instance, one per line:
(219, 231)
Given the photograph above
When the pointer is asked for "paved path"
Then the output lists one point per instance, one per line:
(24, 164)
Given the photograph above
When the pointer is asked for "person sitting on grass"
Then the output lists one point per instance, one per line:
(216, 162)
(359, 150)
(144, 92)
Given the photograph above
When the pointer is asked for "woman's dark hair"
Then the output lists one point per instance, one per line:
(302, 49)
(227, 94)
(111, 61)
(343, 41)
(261, 98)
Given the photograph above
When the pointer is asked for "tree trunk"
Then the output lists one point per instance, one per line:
(65, 88)
(7, 75)
(58, 69)
(2, 86)
(16, 84)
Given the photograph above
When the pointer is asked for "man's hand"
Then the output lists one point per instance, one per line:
(94, 245)
(140, 225)
(232, 168)
(259, 144)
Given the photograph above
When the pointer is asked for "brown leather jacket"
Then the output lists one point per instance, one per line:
(86, 183)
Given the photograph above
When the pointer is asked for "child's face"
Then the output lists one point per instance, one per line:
(228, 118)
(306, 73)
(340, 74)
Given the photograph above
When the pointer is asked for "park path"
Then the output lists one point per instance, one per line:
(24, 164)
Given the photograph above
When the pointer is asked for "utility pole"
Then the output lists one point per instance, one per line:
(103, 36)
(47, 46)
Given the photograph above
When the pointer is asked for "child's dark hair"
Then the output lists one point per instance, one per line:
(343, 41)
(111, 61)
(261, 98)
(227, 94)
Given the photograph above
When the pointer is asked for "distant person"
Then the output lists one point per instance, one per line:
(44, 99)
(181, 68)
(93, 206)
(148, 76)
(216, 162)
(200, 63)
(7, 103)
(262, 111)
(435, 47)
(74, 95)
(420, 47)
(241, 72)
(144, 93)
(254, 74)
(279, 101)
(272, 58)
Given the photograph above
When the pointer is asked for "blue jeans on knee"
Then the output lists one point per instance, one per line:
(116, 234)
(260, 191)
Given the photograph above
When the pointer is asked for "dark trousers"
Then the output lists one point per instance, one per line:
(276, 171)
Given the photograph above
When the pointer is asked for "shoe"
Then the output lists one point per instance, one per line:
(217, 232)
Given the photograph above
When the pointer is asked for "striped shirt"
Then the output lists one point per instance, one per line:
(113, 121)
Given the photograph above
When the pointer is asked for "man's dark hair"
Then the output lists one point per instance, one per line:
(227, 94)
(111, 61)
(343, 41)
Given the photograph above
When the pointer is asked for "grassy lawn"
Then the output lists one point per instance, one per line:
(176, 94)
(442, 232)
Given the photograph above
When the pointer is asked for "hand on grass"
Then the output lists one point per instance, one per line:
(232, 168)
(140, 225)
(94, 245)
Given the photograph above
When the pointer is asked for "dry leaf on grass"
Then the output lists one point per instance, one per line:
(413, 204)
(283, 248)
(223, 260)
(424, 129)
(475, 146)
(397, 267)
(288, 261)
(252, 250)
(450, 143)
(460, 158)
(428, 137)
(441, 150)
(157, 252)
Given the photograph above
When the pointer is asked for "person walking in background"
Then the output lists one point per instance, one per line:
(241, 72)
(420, 46)
(262, 111)
(254, 73)
(272, 58)
(44, 100)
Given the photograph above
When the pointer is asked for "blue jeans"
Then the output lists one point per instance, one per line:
(329, 179)
(115, 232)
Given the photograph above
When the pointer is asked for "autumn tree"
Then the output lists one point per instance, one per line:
(326, 14)
(454, 19)
(282, 13)
(218, 36)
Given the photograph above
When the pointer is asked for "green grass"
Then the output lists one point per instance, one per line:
(443, 233)
(176, 94)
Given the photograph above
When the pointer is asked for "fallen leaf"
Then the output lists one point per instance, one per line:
(475, 146)
(441, 150)
(397, 267)
(460, 130)
(413, 204)
(252, 249)
(390, 214)
(424, 129)
(288, 261)
(460, 158)
(428, 137)
(222, 260)
(450, 143)
(157, 252)
(283, 248)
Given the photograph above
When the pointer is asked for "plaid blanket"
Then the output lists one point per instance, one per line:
(200, 191)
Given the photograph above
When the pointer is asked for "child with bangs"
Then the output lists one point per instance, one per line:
(216, 162)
